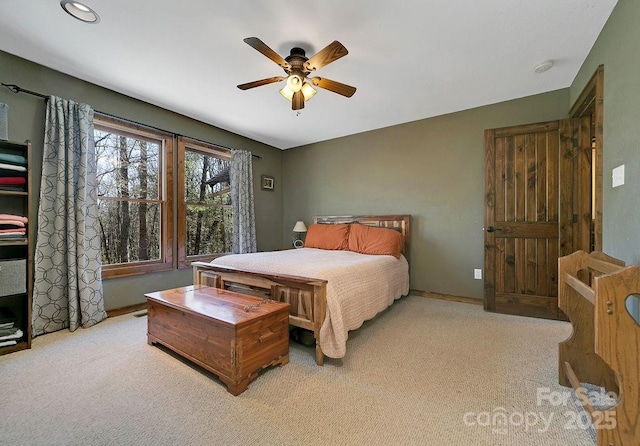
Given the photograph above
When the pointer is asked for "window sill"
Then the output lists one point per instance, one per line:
(115, 271)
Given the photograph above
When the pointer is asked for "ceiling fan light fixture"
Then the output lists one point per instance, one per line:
(307, 91)
(80, 11)
(287, 93)
(294, 82)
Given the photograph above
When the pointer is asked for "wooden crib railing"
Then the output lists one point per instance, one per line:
(604, 348)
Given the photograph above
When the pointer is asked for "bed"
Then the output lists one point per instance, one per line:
(330, 291)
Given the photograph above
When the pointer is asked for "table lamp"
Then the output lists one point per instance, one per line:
(299, 228)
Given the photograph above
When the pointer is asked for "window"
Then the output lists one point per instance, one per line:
(205, 215)
(135, 211)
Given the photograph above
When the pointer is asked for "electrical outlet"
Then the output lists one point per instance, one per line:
(477, 273)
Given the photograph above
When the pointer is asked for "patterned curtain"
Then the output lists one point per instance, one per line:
(68, 278)
(244, 220)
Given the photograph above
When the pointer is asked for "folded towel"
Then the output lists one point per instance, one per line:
(10, 158)
(13, 167)
(7, 343)
(13, 231)
(13, 217)
(8, 331)
(11, 173)
(8, 235)
(17, 335)
(8, 224)
(12, 188)
(13, 180)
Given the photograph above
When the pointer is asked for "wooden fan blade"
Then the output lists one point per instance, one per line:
(259, 45)
(336, 87)
(269, 80)
(297, 102)
(332, 52)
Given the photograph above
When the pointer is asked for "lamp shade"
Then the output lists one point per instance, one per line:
(307, 91)
(299, 227)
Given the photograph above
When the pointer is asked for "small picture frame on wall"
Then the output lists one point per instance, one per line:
(267, 182)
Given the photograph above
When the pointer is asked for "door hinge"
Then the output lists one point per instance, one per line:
(575, 218)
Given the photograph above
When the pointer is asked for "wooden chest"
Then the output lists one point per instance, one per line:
(230, 334)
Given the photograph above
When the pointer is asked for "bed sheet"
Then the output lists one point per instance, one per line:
(359, 286)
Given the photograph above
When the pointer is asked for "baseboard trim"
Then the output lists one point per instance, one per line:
(126, 310)
(429, 294)
(448, 297)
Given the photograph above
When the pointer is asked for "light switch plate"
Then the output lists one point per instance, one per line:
(617, 176)
(477, 273)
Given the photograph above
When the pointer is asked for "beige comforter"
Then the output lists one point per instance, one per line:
(359, 286)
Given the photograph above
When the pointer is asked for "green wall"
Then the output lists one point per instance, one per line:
(432, 169)
(26, 121)
(618, 49)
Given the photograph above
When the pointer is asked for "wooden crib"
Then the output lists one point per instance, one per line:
(604, 347)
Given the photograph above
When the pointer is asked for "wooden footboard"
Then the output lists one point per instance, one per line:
(306, 296)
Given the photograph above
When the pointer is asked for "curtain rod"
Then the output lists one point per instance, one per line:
(16, 89)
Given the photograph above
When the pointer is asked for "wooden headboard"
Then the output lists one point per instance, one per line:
(399, 223)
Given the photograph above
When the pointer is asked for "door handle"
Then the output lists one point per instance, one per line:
(492, 229)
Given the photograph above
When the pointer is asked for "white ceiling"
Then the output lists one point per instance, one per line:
(409, 59)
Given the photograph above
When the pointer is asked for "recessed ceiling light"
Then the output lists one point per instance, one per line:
(80, 11)
(543, 66)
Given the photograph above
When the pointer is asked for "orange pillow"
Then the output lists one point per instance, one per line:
(328, 236)
(371, 240)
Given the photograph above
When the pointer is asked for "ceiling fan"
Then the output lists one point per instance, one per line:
(298, 67)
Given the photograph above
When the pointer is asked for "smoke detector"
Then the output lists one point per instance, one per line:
(543, 66)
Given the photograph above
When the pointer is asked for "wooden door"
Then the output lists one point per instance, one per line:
(532, 213)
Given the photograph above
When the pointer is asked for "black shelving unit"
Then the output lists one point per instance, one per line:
(16, 253)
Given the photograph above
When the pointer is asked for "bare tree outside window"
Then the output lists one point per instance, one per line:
(133, 214)
(136, 201)
(205, 216)
(208, 204)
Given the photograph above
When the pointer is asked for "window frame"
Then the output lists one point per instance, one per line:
(184, 144)
(165, 192)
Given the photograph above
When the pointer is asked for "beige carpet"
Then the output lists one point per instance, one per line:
(425, 372)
